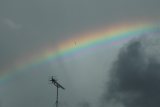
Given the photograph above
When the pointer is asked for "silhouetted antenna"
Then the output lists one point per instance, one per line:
(54, 81)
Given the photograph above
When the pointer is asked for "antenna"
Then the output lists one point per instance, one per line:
(54, 81)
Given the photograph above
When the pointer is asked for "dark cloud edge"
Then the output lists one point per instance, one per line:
(134, 79)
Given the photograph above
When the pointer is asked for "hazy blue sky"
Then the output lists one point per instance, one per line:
(29, 25)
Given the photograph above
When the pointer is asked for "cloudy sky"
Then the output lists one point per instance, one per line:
(28, 26)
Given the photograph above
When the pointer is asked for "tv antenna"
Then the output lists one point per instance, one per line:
(54, 81)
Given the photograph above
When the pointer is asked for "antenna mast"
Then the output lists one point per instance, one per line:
(54, 81)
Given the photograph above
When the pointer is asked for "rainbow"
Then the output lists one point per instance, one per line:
(106, 36)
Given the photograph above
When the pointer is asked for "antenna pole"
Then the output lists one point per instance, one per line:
(54, 81)
(57, 98)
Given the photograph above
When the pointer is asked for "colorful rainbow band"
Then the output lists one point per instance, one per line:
(106, 37)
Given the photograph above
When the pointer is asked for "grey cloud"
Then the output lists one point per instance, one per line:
(46, 22)
(11, 24)
(134, 79)
(84, 104)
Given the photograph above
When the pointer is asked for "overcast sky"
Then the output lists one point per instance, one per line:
(31, 25)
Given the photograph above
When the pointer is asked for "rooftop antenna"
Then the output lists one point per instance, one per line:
(54, 81)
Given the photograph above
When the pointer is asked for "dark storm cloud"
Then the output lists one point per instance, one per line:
(134, 79)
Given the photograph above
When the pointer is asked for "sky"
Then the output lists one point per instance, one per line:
(32, 26)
